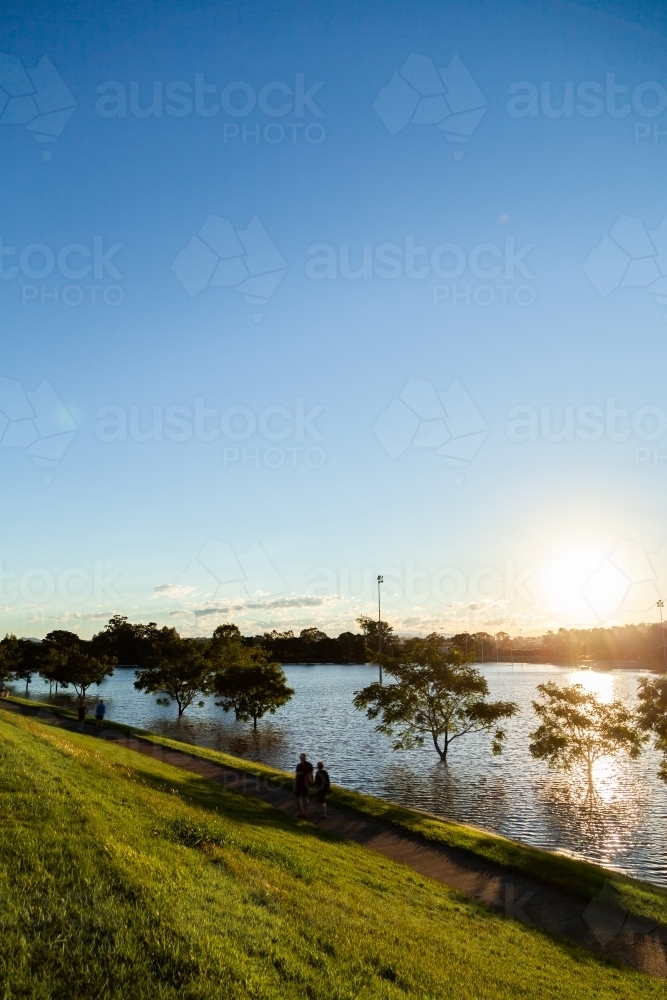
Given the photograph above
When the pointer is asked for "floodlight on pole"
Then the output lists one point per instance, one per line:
(380, 581)
(661, 605)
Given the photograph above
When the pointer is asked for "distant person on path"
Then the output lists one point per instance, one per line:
(100, 709)
(302, 779)
(81, 715)
(322, 787)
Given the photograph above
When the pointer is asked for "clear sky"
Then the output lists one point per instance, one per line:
(296, 294)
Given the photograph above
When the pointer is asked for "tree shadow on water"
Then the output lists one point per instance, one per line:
(449, 790)
(227, 736)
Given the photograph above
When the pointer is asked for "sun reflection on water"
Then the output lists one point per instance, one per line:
(620, 826)
(594, 682)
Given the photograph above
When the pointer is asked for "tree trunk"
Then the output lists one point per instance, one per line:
(590, 774)
(254, 723)
(442, 753)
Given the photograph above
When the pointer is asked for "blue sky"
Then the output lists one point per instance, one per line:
(490, 272)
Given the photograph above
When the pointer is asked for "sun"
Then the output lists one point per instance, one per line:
(564, 579)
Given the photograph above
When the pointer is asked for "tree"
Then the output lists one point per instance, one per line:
(10, 659)
(128, 644)
(71, 660)
(313, 635)
(437, 694)
(176, 669)
(252, 689)
(53, 654)
(226, 648)
(577, 729)
(28, 655)
(652, 715)
(369, 626)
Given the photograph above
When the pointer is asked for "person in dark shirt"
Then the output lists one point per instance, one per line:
(100, 709)
(302, 779)
(322, 787)
(81, 714)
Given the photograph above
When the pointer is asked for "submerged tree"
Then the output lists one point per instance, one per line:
(577, 730)
(245, 681)
(175, 669)
(652, 715)
(252, 689)
(436, 694)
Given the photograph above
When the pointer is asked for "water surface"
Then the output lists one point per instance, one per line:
(624, 828)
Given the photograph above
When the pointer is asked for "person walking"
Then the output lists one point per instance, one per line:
(322, 787)
(81, 715)
(100, 709)
(303, 777)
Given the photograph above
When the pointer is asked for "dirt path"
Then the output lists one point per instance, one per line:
(599, 925)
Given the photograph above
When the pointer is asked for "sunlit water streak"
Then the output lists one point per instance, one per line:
(623, 828)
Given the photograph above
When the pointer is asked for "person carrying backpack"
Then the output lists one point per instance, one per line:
(322, 788)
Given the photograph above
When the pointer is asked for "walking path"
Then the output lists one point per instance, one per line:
(599, 925)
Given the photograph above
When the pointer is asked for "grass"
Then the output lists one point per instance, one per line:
(580, 878)
(121, 876)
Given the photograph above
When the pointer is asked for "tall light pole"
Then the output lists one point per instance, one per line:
(380, 581)
(661, 605)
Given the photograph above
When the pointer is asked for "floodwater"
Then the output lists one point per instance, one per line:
(622, 828)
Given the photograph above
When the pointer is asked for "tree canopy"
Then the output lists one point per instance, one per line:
(252, 689)
(244, 680)
(67, 659)
(130, 645)
(175, 669)
(577, 729)
(652, 715)
(436, 694)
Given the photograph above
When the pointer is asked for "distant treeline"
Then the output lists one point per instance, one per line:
(312, 646)
(627, 643)
(124, 644)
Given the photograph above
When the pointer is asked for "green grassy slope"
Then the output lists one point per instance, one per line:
(124, 877)
(580, 878)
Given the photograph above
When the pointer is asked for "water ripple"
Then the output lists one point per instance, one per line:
(622, 828)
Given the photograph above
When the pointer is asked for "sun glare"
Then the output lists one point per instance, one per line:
(599, 684)
(565, 579)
